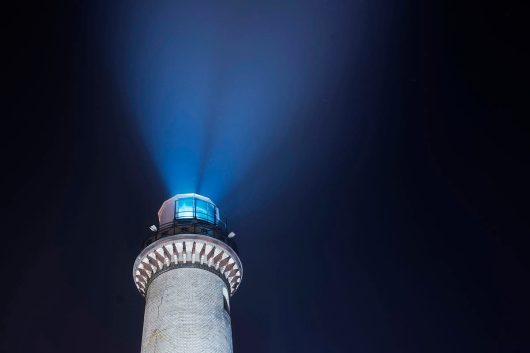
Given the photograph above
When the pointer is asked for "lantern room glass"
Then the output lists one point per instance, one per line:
(185, 208)
(191, 207)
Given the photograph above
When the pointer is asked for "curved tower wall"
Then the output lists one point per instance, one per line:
(187, 281)
(186, 311)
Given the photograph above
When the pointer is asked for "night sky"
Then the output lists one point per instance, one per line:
(369, 155)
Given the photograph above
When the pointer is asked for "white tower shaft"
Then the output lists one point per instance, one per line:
(185, 311)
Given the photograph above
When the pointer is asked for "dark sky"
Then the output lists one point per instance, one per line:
(389, 215)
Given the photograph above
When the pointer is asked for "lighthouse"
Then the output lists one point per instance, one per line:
(187, 271)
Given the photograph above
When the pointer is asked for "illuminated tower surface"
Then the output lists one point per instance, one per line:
(187, 272)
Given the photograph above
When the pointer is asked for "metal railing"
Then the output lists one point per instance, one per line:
(217, 230)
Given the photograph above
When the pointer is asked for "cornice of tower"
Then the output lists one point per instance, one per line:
(184, 251)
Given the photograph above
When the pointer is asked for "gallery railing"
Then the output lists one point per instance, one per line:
(217, 230)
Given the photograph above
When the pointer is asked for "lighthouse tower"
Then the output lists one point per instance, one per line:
(187, 271)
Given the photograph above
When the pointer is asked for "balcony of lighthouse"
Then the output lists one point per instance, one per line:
(190, 214)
